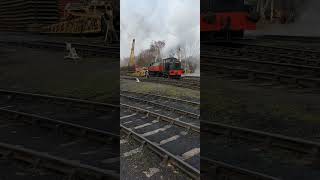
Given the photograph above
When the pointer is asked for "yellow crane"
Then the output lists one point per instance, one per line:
(133, 70)
(132, 62)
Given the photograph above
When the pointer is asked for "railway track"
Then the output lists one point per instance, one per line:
(267, 53)
(293, 148)
(274, 50)
(194, 78)
(170, 107)
(175, 141)
(61, 143)
(303, 76)
(84, 50)
(82, 112)
(257, 64)
(164, 98)
(168, 127)
(133, 121)
(184, 83)
(307, 39)
(222, 169)
(210, 168)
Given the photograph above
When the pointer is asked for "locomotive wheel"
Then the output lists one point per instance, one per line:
(165, 75)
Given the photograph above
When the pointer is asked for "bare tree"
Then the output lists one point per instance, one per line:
(147, 56)
(157, 47)
(190, 55)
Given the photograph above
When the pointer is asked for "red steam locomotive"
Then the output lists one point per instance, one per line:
(169, 68)
(226, 18)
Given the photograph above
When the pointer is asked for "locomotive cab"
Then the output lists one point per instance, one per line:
(172, 68)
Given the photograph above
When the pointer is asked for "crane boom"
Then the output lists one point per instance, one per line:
(132, 63)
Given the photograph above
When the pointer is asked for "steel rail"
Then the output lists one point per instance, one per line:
(60, 100)
(270, 139)
(278, 54)
(163, 97)
(185, 80)
(57, 163)
(48, 162)
(219, 170)
(57, 44)
(246, 60)
(81, 48)
(285, 49)
(308, 39)
(192, 86)
(193, 78)
(191, 81)
(177, 83)
(57, 124)
(170, 108)
(161, 117)
(271, 56)
(304, 81)
(164, 154)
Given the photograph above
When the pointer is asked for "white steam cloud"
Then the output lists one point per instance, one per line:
(176, 22)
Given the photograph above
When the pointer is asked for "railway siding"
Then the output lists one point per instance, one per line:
(267, 153)
(84, 50)
(174, 140)
(82, 112)
(185, 111)
(189, 84)
(266, 63)
(50, 142)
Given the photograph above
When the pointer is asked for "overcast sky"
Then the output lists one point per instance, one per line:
(175, 21)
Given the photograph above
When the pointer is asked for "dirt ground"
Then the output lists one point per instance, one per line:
(162, 89)
(45, 71)
(272, 109)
